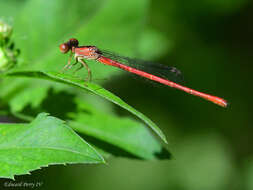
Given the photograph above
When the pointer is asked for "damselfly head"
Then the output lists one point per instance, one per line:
(73, 42)
(65, 47)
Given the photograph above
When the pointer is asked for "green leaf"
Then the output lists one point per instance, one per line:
(19, 93)
(46, 140)
(85, 20)
(94, 88)
(115, 133)
(23, 98)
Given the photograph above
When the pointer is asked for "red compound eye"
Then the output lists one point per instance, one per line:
(64, 48)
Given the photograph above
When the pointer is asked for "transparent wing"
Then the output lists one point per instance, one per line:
(163, 71)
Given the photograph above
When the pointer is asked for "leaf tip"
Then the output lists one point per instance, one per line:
(165, 140)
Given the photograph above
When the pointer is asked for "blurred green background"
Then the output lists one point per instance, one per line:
(210, 41)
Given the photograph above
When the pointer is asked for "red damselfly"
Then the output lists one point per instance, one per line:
(152, 71)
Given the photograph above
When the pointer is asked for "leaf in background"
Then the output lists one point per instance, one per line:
(15, 93)
(42, 33)
(37, 93)
(38, 36)
(122, 133)
(93, 22)
(96, 89)
(46, 140)
(152, 38)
